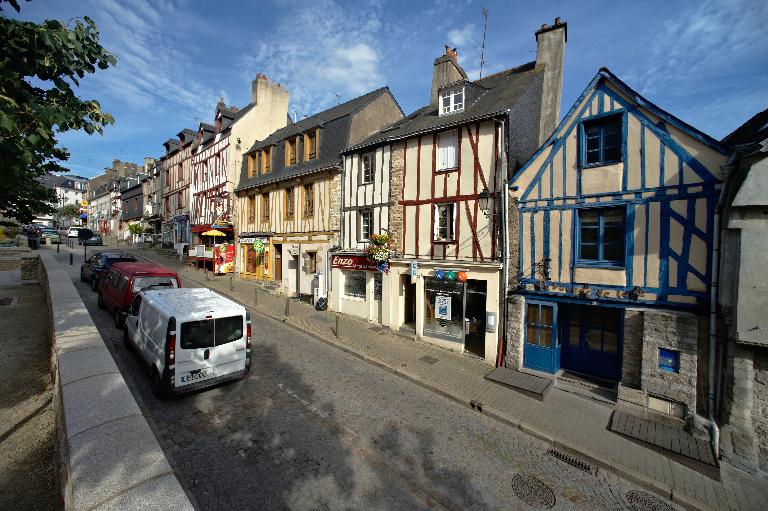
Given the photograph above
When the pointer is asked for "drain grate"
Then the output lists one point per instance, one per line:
(642, 501)
(533, 491)
(572, 460)
(429, 360)
(6, 301)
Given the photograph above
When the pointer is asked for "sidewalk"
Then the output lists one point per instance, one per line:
(571, 423)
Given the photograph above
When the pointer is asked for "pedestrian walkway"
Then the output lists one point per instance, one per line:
(571, 423)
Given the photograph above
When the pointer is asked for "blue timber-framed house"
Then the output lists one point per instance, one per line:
(612, 229)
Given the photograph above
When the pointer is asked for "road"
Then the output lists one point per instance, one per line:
(315, 428)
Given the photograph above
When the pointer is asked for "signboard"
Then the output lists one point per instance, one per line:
(353, 262)
(224, 258)
(442, 307)
(414, 271)
(84, 203)
(251, 239)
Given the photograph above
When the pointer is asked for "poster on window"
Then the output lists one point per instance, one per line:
(224, 258)
(442, 307)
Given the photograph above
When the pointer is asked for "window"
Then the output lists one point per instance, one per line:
(311, 262)
(180, 201)
(451, 101)
(290, 205)
(539, 325)
(309, 200)
(209, 333)
(264, 207)
(601, 141)
(266, 160)
(669, 360)
(367, 168)
(444, 222)
(601, 236)
(290, 151)
(180, 177)
(251, 165)
(167, 204)
(310, 144)
(140, 283)
(252, 208)
(366, 224)
(354, 284)
(447, 150)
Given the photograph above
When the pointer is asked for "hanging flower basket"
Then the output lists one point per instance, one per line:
(380, 240)
(378, 253)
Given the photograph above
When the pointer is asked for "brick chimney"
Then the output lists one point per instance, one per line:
(446, 70)
(550, 52)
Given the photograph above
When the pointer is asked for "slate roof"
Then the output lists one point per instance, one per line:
(334, 125)
(753, 131)
(494, 94)
(53, 181)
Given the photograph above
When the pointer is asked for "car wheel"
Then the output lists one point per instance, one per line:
(94, 284)
(82, 275)
(158, 387)
(119, 320)
(100, 302)
(127, 340)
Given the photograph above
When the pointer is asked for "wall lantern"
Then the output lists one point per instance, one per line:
(483, 200)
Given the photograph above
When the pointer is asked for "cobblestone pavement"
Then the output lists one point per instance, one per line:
(316, 428)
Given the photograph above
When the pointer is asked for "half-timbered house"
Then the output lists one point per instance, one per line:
(443, 167)
(612, 267)
(289, 193)
(176, 177)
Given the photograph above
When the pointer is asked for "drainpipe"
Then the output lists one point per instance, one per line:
(501, 356)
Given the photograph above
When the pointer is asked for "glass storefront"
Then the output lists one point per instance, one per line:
(444, 309)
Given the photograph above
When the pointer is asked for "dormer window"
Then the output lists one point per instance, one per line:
(290, 151)
(310, 145)
(452, 100)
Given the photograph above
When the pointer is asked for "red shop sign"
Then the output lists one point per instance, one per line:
(353, 262)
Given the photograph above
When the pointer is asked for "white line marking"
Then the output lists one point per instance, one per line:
(312, 408)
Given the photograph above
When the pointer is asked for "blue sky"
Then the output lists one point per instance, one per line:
(703, 61)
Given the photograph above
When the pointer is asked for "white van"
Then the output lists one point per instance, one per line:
(189, 337)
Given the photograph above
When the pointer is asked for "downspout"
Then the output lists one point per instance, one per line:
(501, 355)
(327, 281)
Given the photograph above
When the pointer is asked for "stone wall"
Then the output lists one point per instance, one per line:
(30, 267)
(760, 405)
(632, 356)
(515, 331)
(676, 331)
(335, 203)
(396, 162)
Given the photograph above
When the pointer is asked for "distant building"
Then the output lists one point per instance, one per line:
(70, 190)
(119, 169)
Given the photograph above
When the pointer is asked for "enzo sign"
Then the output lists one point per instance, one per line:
(353, 262)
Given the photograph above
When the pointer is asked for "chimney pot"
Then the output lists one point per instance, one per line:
(557, 20)
(544, 25)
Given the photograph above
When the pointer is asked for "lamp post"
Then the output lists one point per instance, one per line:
(483, 200)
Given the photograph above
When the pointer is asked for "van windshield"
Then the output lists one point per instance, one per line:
(140, 283)
(207, 333)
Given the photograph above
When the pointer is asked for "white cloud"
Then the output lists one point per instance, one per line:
(462, 37)
(319, 49)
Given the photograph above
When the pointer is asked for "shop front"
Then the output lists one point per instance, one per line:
(358, 288)
(254, 251)
(456, 307)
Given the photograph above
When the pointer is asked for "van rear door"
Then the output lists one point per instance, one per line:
(195, 352)
(230, 344)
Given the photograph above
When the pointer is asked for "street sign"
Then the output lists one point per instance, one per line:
(442, 307)
(414, 271)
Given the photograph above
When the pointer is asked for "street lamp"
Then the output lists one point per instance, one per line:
(483, 200)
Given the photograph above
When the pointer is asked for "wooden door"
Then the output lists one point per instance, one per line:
(278, 268)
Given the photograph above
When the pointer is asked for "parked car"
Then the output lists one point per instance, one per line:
(96, 239)
(97, 266)
(50, 234)
(190, 338)
(73, 232)
(125, 280)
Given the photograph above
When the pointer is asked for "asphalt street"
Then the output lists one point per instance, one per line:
(315, 428)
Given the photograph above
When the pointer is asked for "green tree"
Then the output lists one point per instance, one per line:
(69, 211)
(39, 65)
(135, 228)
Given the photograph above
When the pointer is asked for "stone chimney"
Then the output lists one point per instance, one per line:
(550, 52)
(266, 92)
(445, 71)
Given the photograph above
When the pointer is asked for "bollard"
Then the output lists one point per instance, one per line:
(287, 307)
(58, 245)
(255, 297)
(70, 258)
(230, 283)
(338, 325)
(205, 269)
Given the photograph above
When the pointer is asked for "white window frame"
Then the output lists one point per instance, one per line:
(361, 231)
(370, 170)
(453, 105)
(447, 150)
(450, 234)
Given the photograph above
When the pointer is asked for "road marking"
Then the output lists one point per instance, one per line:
(312, 408)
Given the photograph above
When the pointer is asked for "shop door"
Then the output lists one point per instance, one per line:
(474, 318)
(409, 299)
(592, 340)
(278, 269)
(542, 345)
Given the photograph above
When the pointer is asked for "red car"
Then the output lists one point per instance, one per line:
(125, 280)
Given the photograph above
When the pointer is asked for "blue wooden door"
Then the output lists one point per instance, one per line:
(542, 345)
(592, 340)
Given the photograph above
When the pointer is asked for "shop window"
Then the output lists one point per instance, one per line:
(447, 150)
(445, 222)
(601, 141)
(367, 168)
(540, 325)
(603, 330)
(311, 262)
(354, 284)
(309, 200)
(290, 202)
(366, 224)
(601, 237)
(444, 309)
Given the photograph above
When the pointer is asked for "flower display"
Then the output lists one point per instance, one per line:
(380, 240)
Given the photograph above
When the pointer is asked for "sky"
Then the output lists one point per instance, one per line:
(705, 61)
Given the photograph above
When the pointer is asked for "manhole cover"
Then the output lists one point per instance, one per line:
(641, 501)
(533, 492)
(429, 360)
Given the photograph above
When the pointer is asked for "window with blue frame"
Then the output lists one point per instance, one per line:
(540, 325)
(601, 236)
(601, 141)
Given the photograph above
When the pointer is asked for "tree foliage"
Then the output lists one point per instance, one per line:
(39, 65)
(69, 211)
(135, 228)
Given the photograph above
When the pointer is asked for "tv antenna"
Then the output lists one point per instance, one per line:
(482, 49)
(337, 97)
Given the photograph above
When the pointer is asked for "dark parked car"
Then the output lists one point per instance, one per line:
(94, 269)
(93, 240)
